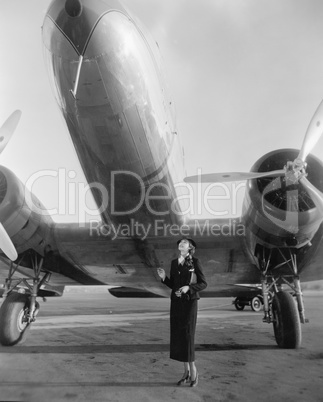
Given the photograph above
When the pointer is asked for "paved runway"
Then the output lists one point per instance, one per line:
(93, 347)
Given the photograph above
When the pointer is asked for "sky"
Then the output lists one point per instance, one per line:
(246, 77)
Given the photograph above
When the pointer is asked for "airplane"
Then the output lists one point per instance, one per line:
(108, 81)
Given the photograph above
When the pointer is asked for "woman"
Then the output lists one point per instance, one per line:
(186, 280)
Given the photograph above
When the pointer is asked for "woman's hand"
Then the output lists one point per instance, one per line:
(182, 290)
(161, 273)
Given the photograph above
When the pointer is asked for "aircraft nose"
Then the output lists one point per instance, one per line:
(73, 8)
(76, 19)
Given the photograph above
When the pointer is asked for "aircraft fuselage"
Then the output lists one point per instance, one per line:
(108, 83)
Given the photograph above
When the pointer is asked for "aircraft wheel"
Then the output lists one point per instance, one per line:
(256, 304)
(239, 306)
(286, 322)
(13, 326)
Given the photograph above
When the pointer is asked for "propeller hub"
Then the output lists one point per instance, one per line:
(299, 164)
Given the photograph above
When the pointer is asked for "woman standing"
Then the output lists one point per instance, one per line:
(186, 280)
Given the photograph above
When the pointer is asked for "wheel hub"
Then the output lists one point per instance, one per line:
(21, 321)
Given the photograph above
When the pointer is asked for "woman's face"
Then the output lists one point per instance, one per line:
(184, 246)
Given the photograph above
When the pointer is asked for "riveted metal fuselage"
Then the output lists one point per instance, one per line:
(108, 83)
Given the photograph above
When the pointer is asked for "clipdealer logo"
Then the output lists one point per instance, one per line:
(160, 228)
(158, 199)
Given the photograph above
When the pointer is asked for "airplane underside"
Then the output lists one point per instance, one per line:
(276, 281)
(20, 307)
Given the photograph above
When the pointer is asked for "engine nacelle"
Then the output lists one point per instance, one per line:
(278, 213)
(22, 214)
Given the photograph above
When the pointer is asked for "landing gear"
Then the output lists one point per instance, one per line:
(282, 311)
(14, 319)
(20, 308)
(286, 322)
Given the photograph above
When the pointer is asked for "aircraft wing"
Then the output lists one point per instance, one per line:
(132, 262)
(86, 258)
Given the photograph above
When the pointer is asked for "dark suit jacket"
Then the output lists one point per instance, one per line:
(180, 276)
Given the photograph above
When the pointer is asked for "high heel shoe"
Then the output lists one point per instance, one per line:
(185, 379)
(195, 382)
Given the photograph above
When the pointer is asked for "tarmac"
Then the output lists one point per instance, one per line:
(90, 346)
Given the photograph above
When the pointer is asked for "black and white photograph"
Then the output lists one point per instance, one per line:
(161, 200)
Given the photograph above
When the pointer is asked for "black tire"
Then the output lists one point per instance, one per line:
(13, 329)
(256, 304)
(286, 322)
(239, 306)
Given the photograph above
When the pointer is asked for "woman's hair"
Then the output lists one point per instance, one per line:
(191, 249)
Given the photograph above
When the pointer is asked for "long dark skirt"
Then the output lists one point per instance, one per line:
(183, 314)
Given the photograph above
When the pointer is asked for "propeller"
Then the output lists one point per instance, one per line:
(8, 128)
(313, 133)
(6, 132)
(6, 244)
(295, 168)
(234, 176)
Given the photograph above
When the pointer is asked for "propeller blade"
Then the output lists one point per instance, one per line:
(313, 133)
(8, 128)
(234, 176)
(6, 244)
(314, 193)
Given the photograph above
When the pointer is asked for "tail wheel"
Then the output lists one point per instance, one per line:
(256, 304)
(238, 305)
(13, 322)
(286, 322)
